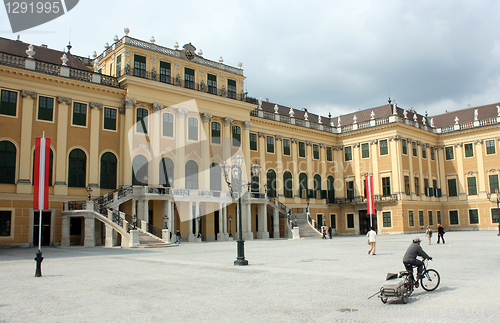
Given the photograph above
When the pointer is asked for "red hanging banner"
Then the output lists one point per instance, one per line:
(370, 199)
(41, 178)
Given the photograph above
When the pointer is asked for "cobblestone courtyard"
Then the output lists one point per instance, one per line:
(286, 281)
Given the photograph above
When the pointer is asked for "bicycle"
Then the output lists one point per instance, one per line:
(429, 281)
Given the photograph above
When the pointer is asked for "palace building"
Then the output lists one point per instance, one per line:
(141, 135)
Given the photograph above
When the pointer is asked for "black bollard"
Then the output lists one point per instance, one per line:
(38, 259)
(499, 229)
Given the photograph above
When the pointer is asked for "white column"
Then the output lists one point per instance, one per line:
(221, 234)
(110, 238)
(224, 214)
(191, 236)
(276, 223)
(65, 242)
(89, 241)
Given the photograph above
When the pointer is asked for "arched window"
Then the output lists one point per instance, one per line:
(330, 183)
(271, 183)
(215, 177)
(288, 184)
(51, 160)
(191, 175)
(303, 185)
(77, 171)
(108, 171)
(7, 162)
(140, 171)
(317, 186)
(166, 172)
(142, 120)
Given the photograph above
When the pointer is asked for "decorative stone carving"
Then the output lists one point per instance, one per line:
(177, 66)
(126, 53)
(338, 122)
(30, 51)
(157, 106)
(279, 137)
(319, 119)
(416, 173)
(409, 140)
(295, 140)
(419, 143)
(478, 141)
(260, 104)
(99, 106)
(153, 59)
(394, 109)
(178, 80)
(276, 109)
(456, 120)
(322, 145)
(470, 173)
(397, 137)
(415, 117)
(206, 117)
(309, 143)
(374, 142)
(337, 148)
(432, 122)
(227, 122)
(306, 116)
(32, 94)
(291, 113)
(222, 78)
(427, 145)
(61, 99)
(458, 144)
(391, 138)
(493, 171)
(129, 103)
(262, 135)
(64, 59)
(354, 119)
(247, 125)
(203, 87)
(424, 120)
(476, 115)
(182, 113)
(372, 116)
(405, 114)
(355, 145)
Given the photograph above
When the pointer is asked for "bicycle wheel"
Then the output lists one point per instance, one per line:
(430, 280)
(408, 283)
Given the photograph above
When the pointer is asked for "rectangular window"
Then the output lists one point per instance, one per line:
(414, 147)
(348, 153)
(270, 144)
(316, 151)
(8, 103)
(302, 149)
(333, 221)
(350, 221)
(109, 118)
(365, 150)
(405, 147)
(471, 183)
(139, 66)
(387, 219)
(118, 70)
(431, 219)
(417, 185)
(286, 147)
(188, 78)
(164, 72)
(5, 223)
(216, 133)
(473, 216)
(168, 124)
(236, 136)
(142, 120)
(449, 153)
(424, 152)
(253, 141)
(386, 186)
(212, 84)
(350, 189)
(490, 147)
(407, 185)
(495, 215)
(469, 150)
(434, 187)
(454, 217)
(329, 154)
(45, 108)
(426, 187)
(421, 218)
(411, 220)
(433, 153)
(493, 183)
(439, 217)
(384, 148)
(79, 114)
(231, 89)
(452, 187)
(193, 129)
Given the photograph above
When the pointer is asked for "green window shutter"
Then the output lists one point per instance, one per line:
(348, 153)
(316, 151)
(45, 108)
(469, 150)
(471, 183)
(79, 114)
(452, 187)
(108, 171)
(411, 220)
(193, 129)
(384, 149)
(449, 153)
(231, 88)
(7, 162)
(139, 66)
(387, 219)
(454, 217)
(8, 103)
(302, 149)
(216, 132)
(286, 147)
(118, 65)
(236, 136)
(165, 72)
(142, 120)
(405, 147)
(490, 147)
(212, 84)
(365, 150)
(77, 168)
(329, 154)
(493, 183)
(253, 141)
(270, 144)
(109, 119)
(473, 216)
(168, 125)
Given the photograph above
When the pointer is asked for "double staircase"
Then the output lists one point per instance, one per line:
(306, 230)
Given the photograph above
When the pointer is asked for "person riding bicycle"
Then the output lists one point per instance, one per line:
(410, 257)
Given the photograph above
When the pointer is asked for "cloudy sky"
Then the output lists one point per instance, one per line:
(328, 56)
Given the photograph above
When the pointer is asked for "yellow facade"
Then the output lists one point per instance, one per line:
(307, 163)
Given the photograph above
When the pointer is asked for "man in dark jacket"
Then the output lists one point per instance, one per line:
(410, 257)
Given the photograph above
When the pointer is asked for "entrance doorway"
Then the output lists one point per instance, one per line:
(364, 222)
(46, 219)
(216, 223)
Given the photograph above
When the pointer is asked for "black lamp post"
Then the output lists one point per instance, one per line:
(236, 186)
(230, 219)
(89, 193)
(497, 201)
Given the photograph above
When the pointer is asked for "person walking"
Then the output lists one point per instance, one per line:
(178, 236)
(428, 233)
(371, 240)
(441, 233)
(324, 233)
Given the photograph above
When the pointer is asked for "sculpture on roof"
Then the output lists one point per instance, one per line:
(424, 120)
(276, 109)
(354, 119)
(432, 122)
(260, 104)
(498, 110)
(291, 113)
(456, 120)
(338, 123)
(394, 110)
(319, 119)
(306, 116)
(372, 115)
(405, 114)
(476, 115)
(415, 117)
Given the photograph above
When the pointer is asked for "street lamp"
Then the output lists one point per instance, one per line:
(89, 192)
(230, 219)
(236, 186)
(497, 201)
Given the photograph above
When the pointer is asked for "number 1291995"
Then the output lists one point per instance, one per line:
(32, 7)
